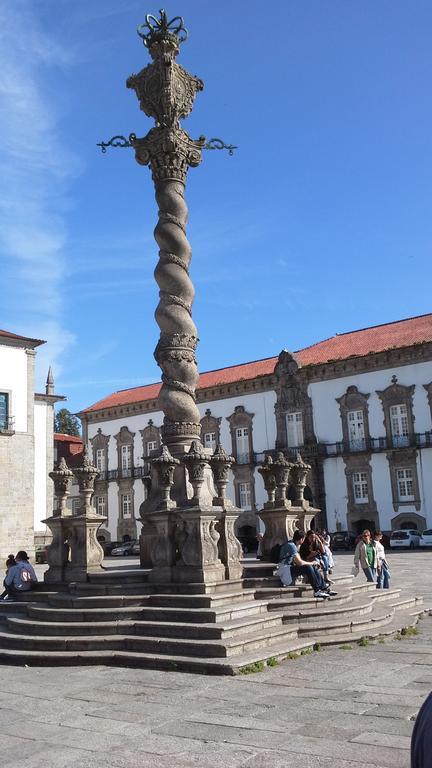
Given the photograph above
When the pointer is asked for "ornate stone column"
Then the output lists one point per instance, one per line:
(59, 525)
(280, 516)
(180, 516)
(230, 549)
(86, 554)
(166, 92)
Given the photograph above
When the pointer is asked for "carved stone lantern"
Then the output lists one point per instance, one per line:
(58, 550)
(230, 549)
(196, 462)
(299, 473)
(281, 469)
(62, 479)
(267, 472)
(221, 464)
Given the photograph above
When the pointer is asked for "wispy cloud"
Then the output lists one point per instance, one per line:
(35, 170)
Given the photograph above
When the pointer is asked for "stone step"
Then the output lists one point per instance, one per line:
(65, 600)
(118, 588)
(344, 625)
(161, 645)
(384, 595)
(401, 619)
(291, 596)
(123, 575)
(150, 613)
(206, 666)
(204, 601)
(22, 625)
(328, 610)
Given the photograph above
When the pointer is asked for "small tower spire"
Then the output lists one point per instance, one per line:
(49, 387)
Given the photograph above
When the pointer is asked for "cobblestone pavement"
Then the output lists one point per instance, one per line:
(338, 708)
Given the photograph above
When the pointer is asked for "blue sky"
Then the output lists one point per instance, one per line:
(320, 223)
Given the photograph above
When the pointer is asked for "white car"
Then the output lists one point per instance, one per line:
(426, 538)
(405, 538)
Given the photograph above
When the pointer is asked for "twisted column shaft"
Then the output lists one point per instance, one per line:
(175, 351)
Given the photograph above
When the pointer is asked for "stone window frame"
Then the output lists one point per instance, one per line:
(239, 419)
(126, 525)
(428, 388)
(103, 497)
(408, 517)
(100, 442)
(210, 424)
(9, 428)
(125, 437)
(358, 482)
(404, 459)
(353, 400)
(242, 473)
(397, 394)
(355, 463)
(292, 397)
(290, 413)
(150, 434)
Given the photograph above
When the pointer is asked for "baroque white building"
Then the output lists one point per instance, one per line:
(358, 406)
(26, 445)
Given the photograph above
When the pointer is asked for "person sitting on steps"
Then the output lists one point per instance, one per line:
(290, 555)
(20, 577)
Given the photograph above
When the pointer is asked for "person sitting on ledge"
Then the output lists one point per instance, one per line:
(20, 577)
(289, 555)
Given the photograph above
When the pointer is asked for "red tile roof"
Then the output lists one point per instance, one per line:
(378, 338)
(8, 335)
(62, 438)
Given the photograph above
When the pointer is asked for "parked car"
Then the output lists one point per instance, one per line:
(127, 548)
(426, 538)
(409, 539)
(343, 540)
(108, 546)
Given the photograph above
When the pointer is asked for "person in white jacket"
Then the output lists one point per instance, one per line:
(383, 573)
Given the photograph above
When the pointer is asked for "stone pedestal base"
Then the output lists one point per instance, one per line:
(281, 522)
(75, 551)
(230, 549)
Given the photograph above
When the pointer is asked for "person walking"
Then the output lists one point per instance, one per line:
(366, 554)
(383, 573)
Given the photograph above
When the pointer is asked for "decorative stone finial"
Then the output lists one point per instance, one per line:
(49, 387)
(61, 477)
(221, 463)
(162, 31)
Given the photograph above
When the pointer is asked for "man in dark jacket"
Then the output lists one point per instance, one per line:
(421, 740)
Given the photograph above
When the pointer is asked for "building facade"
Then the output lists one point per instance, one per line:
(357, 406)
(26, 445)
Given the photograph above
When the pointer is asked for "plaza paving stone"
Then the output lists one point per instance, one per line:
(333, 709)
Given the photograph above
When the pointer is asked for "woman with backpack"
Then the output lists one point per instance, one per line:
(20, 577)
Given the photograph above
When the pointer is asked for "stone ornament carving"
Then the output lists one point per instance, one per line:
(221, 464)
(164, 466)
(86, 475)
(196, 462)
(267, 472)
(62, 479)
(299, 473)
(166, 92)
(281, 469)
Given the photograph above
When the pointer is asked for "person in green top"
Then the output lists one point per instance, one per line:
(365, 554)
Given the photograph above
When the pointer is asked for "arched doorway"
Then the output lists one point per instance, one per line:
(246, 535)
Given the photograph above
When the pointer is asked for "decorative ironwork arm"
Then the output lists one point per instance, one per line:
(122, 141)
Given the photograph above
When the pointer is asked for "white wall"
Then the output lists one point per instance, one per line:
(261, 404)
(40, 464)
(326, 412)
(13, 379)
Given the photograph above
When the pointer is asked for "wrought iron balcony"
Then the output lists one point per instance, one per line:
(7, 425)
(125, 472)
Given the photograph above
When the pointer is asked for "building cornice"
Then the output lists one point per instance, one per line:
(310, 374)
